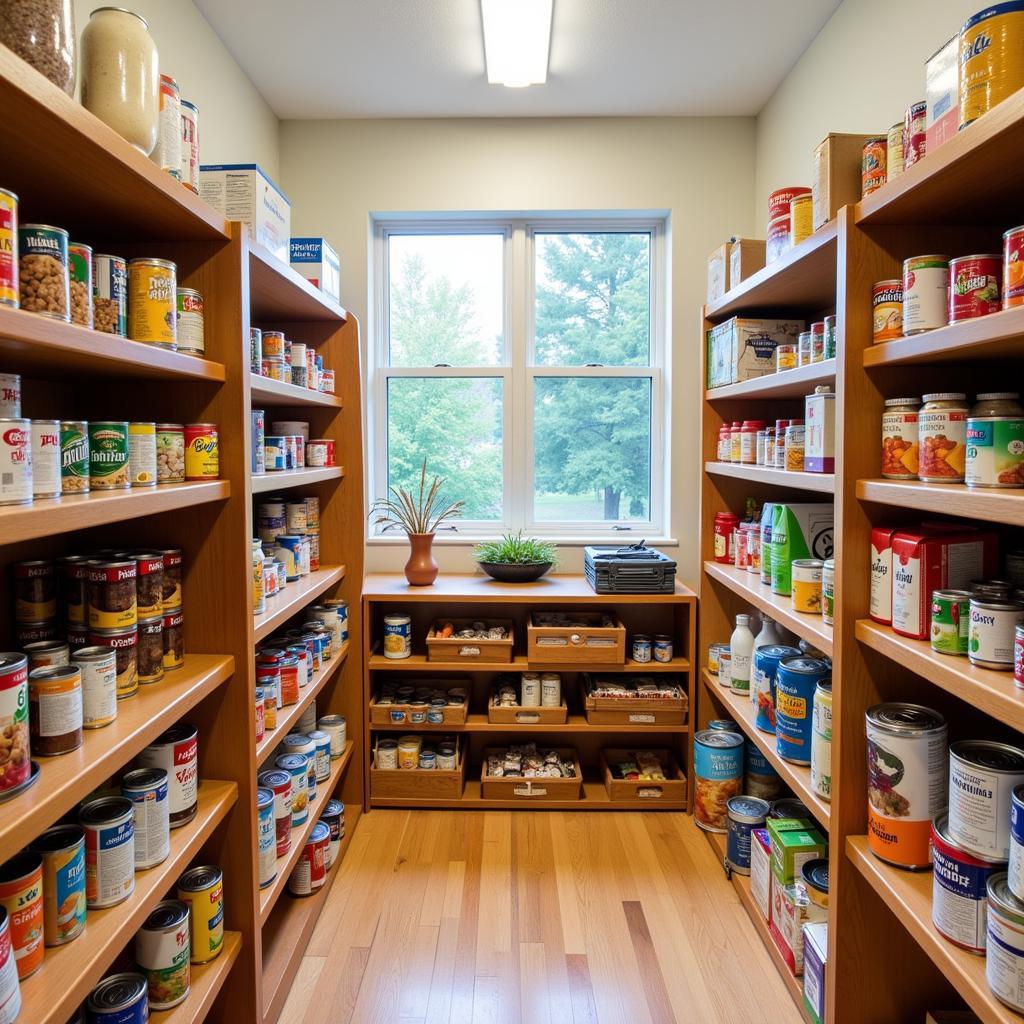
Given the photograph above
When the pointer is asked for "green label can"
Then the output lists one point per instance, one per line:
(80, 273)
(74, 457)
(995, 451)
(108, 456)
(951, 621)
(43, 270)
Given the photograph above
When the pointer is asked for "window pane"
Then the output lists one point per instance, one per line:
(593, 299)
(456, 425)
(446, 299)
(592, 449)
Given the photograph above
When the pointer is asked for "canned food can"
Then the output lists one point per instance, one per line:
(124, 643)
(872, 165)
(641, 649)
(46, 459)
(45, 653)
(119, 999)
(320, 451)
(982, 776)
(1013, 268)
(80, 282)
(925, 293)
(21, 895)
(763, 671)
(801, 219)
(152, 304)
(173, 569)
(173, 640)
(279, 782)
(951, 620)
(805, 594)
(796, 680)
(62, 849)
(974, 285)
(322, 754)
(995, 450)
(74, 457)
(109, 826)
(9, 292)
(304, 747)
(887, 310)
(914, 124)
(821, 741)
(147, 788)
(760, 779)
(745, 813)
(15, 462)
(990, 641)
(908, 766)
(191, 333)
(991, 68)
(109, 456)
(261, 718)
(142, 454)
(310, 873)
(55, 709)
(167, 152)
(162, 952)
(259, 442)
(202, 451)
(333, 817)
(327, 382)
(894, 152)
(10, 992)
(203, 889)
(255, 350)
(177, 753)
(1016, 859)
(828, 591)
(334, 726)
(718, 772)
(110, 294)
(190, 145)
(111, 594)
(295, 765)
(273, 345)
(170, 453)
(266, 836)
(43, 280)
(10, 396)
(35, 591)
(397, 636)
(1018, 656)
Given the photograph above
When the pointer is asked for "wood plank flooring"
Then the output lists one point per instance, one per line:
(527, 917)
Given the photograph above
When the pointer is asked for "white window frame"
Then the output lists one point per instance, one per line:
(518, 372)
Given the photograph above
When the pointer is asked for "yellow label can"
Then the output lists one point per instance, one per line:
(202, 889)
(991, 58)
(152, 302)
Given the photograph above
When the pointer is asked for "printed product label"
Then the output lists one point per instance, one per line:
(739, 672)
(1004, 958)
(109, 863)
(1015, 870)
(821, 747)
(943, 439)
(995, 453)
(68, 899)
(959, 899)
(978, 800)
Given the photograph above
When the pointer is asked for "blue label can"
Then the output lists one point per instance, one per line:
(718, 775)
(119, 999)
(266, 833)
(795, 682)
(761, 779)
(762, 683)
(745, 814)
(295, 766)
(288, 551)
(1016, 866)
(273, 453)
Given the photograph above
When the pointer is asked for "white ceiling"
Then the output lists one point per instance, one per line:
(424, 58)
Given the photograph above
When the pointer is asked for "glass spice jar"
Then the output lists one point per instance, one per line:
(42, 33)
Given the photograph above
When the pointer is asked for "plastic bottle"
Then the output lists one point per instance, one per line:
(741, 646)
(768, 635)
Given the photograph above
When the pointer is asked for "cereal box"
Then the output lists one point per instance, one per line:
(815, 958)
(791, 910)
(761, 871)
(880, 602)
(245, 193)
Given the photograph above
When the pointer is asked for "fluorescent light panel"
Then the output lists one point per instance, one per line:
(517, 37)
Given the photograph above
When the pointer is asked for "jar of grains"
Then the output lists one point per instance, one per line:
(42, 32)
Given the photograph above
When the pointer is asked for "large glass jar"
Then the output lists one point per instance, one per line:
(42, 32)
(121, 75)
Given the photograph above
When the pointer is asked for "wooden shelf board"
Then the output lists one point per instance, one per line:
(207, 981)
(824, 483)
(803, 278)
(265, 391)
(287, 717)
(741, 883)
(269, 895)
(285, 480)
(69, 972)
(280, 295)
(282, 606)
(797, 777)
(520, 663)
(287, 933)
(748, 586)
(997, 336)
(48, 516)
(476, 721)
(451, 588)
(35, 345)
(991, 504)
(795, 383)
(908, 894)
(967, 180)
(994, 693)
(595, 798)
(64, 161)
(66, 780)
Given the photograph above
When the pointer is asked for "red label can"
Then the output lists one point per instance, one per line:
(202, 451)
(280, 782)
(974, 286)
(8, 249)
(310, 873)
(21, 894)
(914, 133)
(1018, 656)
(725, 525)
(779, 201)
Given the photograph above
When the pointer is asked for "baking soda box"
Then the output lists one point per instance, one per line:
(798, 531)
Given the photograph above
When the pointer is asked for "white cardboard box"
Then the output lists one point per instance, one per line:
(820, 431)
(243, 192)
(318, 263)
(742, 348)
(942, 94)
(761, 872)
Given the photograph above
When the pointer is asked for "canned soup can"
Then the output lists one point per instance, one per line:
(10, 992)
(21, 895)
(821, 741)
(951, 620)
(991, 61)
(119, 999)
(745, 814)
(280, 784)
(1004, 956)
(718, 770)
(982, 776)
(62, 849)
(765, 667)
(177, 753)
(203, 889)
(310, 873)
(109, 826)
(162, 951)
(907, 780)
(266, 836)
(925, 293)
(991, 633)
(760, 778)
(795, 682)
(148, 791)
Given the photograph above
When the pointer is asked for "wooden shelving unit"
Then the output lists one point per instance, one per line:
(451, 596)
(795, 383)
(71, 170)
(288, 479)
(989, 504)
(824, 483)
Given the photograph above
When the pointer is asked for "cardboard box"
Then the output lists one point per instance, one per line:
(718, 273)
(923, 562)
(835, 181)
(820, 431)
(791, 910)
(244, 193)
(798, 531)
(880, 601)
(942, 94)
(316, 261)
(746, 257)
(761, 871)
(793, 844)
(742, 349)
(815, 958)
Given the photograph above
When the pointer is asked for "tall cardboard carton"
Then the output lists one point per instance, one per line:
(835, 181)
(798, 531)
(746, 257)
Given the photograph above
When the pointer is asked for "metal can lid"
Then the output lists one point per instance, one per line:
(105, 811)
(722, 724)
(901, 717)
(296, 762)
(190, 291)
(803, 665)
(147, 261)
(945, 396)
(1002, 900)
(320, 834)
(167, 915)
(789, 807)
(976, 256)
(274, 778)
(41, 227)
(748, 810)
(264, 796)
(987, 603)
(893, 402)
(940, 830)
(45, 672)
(206, 876)
(332, 809)
(777, 651)
(952, 595)
(988, 754)
(1010, 396)
(176, 734)
(808, 563)
(119, 991)
(815, 874)
(57, 839)
(144, 778)
(719, 738)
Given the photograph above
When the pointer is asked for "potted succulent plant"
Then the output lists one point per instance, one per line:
(419, 514)
(515, 558)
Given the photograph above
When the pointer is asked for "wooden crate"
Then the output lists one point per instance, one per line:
(672, 789)
(453, 649)
(591, 643)
(532, 790)
(380, 714)
(634, 710)
(516, 715)
(417, 783)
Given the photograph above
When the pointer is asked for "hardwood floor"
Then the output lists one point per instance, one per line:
(531, 917)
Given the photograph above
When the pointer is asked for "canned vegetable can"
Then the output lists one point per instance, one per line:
(162, 949)
(203, 889)
(718, 770)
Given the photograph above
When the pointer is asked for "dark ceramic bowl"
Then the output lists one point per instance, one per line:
(515, 572)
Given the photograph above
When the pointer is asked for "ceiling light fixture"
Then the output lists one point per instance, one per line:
(517, 38)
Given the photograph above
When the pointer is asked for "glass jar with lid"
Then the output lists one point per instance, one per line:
(793, 456)
(900, 451)
(942, 433)
(42, 33)
(995, 441)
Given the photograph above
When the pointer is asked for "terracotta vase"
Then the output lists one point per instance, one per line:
(421, 569)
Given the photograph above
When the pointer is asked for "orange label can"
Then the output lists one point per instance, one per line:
(991, 58)
(887, 310)
(21, 894)
(8, 249)
(1013, 268)
(202, 451)
(872, 165)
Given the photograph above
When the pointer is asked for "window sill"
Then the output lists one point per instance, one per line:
(564, 542)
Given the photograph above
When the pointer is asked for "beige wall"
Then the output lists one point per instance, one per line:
(859, 75)
(235, 123)
(337, 173)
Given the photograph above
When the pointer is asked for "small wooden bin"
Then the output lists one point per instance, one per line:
(381, 714)
(671, 790)
(517, 715)
(417, 783)
(633, 710)
(590, 642)
(492, 652)
(532, 790)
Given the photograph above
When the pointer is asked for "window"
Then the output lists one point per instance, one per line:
(523, 359)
